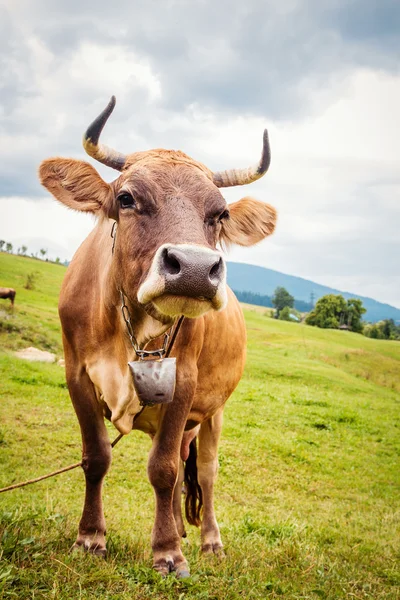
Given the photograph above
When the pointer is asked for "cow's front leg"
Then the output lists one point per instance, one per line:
(207, 469)
(177, 501)
(163, 469)
(96, 459)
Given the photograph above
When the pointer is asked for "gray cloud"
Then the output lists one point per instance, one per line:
(258, 58)
(232, 57)
(280, 62)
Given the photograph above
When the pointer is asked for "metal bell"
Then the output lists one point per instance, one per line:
(154, 380)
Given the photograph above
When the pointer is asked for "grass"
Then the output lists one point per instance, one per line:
(308, 493)
(34, 320)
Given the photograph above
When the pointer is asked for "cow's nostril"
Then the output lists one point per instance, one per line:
(215, 272)
(170, 263)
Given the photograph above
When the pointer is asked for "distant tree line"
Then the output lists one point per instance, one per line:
(383, 330)
(330, 312)
(22, 251)
(252, 298)
(263, 300)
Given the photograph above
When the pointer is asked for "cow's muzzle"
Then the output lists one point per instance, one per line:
(185, 279)
(191, 271)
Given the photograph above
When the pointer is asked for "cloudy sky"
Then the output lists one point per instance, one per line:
(207, 76)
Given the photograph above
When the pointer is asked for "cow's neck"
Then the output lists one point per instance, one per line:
(145, 327)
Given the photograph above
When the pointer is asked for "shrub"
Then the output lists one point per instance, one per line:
(289, 314)
(31, 280)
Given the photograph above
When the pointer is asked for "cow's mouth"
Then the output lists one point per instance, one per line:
(166, 307)
(174, 305)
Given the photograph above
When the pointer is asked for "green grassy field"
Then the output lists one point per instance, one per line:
(35, 319)
(308, 494)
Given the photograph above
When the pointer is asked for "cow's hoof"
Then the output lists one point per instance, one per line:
(89, 546)
(165, 566)
(183, 572)
(213, 549)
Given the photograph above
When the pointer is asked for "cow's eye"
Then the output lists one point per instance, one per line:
(223, 216)
(126, 200)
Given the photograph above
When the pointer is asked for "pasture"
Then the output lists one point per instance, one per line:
(308, 494)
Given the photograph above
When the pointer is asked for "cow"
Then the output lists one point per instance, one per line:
(8, 293)
(156, 249)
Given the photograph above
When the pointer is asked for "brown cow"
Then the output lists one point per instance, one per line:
(164, 259)
(8, 293)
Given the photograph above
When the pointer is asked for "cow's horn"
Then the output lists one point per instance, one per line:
(243, 176)
(100, 152)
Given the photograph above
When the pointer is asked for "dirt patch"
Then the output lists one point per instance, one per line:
(35, 354)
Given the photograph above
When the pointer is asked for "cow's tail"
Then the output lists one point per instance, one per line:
(194, 496)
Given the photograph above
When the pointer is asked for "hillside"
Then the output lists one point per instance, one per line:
(308, 488)
(34, 321)
(244, 277)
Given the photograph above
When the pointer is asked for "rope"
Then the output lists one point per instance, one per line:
(114, 443)
(23, 483)
(63, 470)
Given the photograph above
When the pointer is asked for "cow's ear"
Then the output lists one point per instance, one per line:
(250, 222)
(76, 184)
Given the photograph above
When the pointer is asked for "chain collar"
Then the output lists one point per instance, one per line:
(142, 354)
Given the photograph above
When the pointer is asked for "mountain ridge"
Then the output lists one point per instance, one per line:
(261, 280)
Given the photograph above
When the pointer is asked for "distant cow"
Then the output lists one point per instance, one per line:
(8, 293)
(162, 263)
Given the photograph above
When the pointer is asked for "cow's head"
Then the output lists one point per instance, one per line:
(171, 219)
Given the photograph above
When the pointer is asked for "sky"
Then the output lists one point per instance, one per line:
(207, 77)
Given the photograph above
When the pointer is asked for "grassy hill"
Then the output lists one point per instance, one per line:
(308, 492)
(259, 280)
(34, 320)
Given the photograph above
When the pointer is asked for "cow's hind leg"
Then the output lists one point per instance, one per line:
(207, 468)
(96, 459)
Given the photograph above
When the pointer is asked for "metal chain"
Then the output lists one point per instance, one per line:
(139, 352)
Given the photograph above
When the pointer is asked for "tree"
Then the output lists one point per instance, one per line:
(355, 311)
(282, 298)
(23, 250)
(374, 332)
(331, 311)
(43, 252)
(328, 312)
(9, 247)
(58, 260)
(2, 242)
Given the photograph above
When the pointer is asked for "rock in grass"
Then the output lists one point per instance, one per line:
(34, 354)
